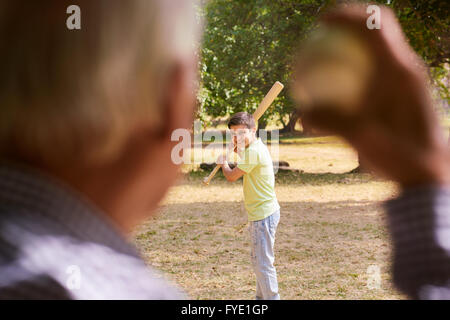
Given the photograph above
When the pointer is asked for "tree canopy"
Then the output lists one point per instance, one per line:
(248, 45)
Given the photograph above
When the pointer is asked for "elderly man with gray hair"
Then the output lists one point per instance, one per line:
(85, 127)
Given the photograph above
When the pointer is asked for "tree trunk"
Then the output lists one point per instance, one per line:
(290, 126)
(293, 121)
(261, 126)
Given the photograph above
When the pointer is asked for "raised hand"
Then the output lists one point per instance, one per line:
(394, 127)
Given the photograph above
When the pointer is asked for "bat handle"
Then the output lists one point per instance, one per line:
(208, 179)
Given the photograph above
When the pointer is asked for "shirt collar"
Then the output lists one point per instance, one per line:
(36, 193)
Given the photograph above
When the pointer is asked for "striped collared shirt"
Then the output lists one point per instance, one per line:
(54, 244)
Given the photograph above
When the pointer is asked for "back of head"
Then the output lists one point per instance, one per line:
(77, 94)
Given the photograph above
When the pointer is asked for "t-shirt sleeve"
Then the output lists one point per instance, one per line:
(248, 161)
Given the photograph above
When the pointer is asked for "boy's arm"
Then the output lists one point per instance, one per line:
(230, 174)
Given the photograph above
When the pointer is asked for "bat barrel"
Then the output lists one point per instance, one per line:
(268, 99)
(263, 106)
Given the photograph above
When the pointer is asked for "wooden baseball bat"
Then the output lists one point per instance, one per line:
(263, 106)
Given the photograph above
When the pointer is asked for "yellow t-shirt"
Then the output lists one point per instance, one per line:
(259, 181)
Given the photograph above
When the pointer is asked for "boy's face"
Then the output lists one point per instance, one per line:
(242, 136)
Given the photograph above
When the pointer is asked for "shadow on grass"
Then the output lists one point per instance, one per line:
(292, 177)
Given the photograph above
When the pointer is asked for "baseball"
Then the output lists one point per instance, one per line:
(333, 69)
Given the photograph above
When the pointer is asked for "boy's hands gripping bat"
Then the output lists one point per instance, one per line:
(263, 106)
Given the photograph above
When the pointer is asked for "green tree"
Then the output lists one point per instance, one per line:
(248, 45)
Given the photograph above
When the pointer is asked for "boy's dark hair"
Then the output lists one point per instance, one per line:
(244, 118)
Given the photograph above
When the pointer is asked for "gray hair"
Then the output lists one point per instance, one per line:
(68, 94)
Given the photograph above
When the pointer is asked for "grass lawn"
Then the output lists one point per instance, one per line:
(332, 229)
